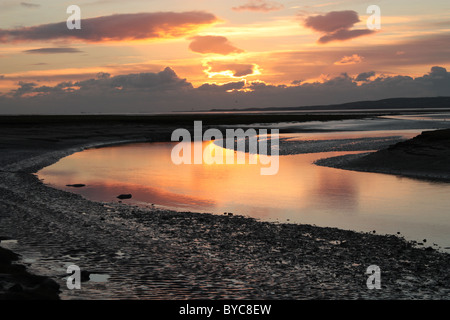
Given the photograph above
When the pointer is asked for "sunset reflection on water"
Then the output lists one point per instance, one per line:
(300, 192)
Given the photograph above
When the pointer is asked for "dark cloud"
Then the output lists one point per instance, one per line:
(213, 44)
(116, 27)
(164, 92)
(336, 26)
(164, 80)
(332, 21)
(438, 72)
(24, 88)
(343, 34)
(103, 75)
(365, 76)
(259, 5)
(222, 87)
(52, 50)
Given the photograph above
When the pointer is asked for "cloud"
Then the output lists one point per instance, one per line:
(365, 76)
(105, 84)
(103, 75)
(164, 80)
(439, 72)
(332, 21)
(222, 87)
(342, 35)
(353, 59)
(259, 5)
(336, 26)
(235, 70)
(213, 44)
(164, 91)
(52, 50)
(117, 27)
(30, 5)
(24, 88)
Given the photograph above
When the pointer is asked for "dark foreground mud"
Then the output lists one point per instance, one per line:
(154, 254)
(16, 283)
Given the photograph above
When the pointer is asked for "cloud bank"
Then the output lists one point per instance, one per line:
(164, 92)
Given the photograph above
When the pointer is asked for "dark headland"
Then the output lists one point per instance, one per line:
(191, 255)
(426, 156)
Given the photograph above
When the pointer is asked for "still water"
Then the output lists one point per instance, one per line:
(300, 192)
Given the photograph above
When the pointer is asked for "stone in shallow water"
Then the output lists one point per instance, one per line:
(124, 196)
(85, 276)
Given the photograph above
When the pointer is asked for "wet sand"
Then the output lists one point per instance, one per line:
(155, 254)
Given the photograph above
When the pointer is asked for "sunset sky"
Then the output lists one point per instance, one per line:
(160, 56)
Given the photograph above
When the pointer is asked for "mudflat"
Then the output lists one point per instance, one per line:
(159, 254)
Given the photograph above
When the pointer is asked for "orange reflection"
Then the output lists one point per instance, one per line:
(300, 191)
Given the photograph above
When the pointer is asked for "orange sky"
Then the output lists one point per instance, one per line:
(275, 42)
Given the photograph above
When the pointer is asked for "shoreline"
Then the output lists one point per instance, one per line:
(192, 255)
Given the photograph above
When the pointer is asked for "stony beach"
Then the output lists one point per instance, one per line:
(149, 253)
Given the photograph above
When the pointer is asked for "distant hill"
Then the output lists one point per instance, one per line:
(394, 103)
